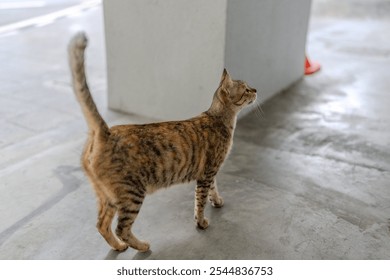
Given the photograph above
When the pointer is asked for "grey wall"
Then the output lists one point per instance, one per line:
(165, 57)
(265, 42)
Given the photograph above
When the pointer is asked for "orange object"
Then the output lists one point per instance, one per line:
(311, 67)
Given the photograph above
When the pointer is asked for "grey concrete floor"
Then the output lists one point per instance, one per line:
(310, 179)
(19, 10)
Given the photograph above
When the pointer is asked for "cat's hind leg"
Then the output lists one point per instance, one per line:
(214, 197)
(106, 211)
(129, 204)
(106, 214)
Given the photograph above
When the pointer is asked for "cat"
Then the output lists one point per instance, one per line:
(126, 162)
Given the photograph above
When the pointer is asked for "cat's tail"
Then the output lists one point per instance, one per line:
(76, 51)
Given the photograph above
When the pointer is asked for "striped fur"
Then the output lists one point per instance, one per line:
(126, 162)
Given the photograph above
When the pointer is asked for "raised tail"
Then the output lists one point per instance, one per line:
(76, 50)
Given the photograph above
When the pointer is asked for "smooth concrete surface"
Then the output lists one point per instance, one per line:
(266, 41)
(15, 11)
(309, 179)
(167, 55)
(362, 9)
(164, 57)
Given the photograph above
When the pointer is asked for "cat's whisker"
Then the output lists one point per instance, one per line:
(259, 111)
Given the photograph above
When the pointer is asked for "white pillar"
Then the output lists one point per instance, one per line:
(165, 57)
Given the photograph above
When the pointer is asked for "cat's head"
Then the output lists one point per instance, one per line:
(234, 94)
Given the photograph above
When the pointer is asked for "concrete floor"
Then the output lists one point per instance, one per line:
(308, 180)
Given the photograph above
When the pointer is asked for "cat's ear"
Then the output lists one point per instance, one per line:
(223, 94)
(226, 80)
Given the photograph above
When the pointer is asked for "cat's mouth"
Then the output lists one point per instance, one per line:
(253, 99)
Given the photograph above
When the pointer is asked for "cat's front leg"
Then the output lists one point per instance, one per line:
(214, 197)
(201, 193)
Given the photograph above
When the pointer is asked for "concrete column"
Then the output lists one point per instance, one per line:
(265, 42)
(165, 57)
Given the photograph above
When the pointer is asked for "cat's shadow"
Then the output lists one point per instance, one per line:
(222, 237)
(113, 255)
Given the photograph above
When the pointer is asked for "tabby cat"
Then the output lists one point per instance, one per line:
(126, 162)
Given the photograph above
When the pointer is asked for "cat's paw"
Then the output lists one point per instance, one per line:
(121, 247)
(203, 224)
(143, 247)
(217, 203)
